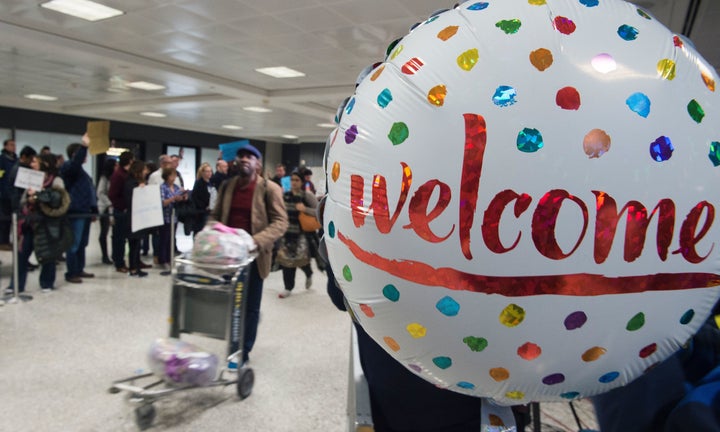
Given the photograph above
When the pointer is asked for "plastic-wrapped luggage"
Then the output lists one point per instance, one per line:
(182, 363)
(221, 244)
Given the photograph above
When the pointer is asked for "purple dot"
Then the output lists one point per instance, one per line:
(575, 320)
(351, 134)
(554, 379)
(415, 367)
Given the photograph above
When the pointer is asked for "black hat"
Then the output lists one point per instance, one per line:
(249, 149)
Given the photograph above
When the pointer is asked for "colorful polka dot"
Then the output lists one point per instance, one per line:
(416, 330)
(511, 26)
(399, 132)
(596, 143)
(564, 25)
(504, 96)
(554, 379)
(575, 320)
(466, 385)
(347, 274)
(666, 69)
(648, 350)
(687, 316)
(396, 49)
(412, 66)
(447, 32)
(391, 293)
(384, 98)
(541, 58)
(537, 2)
(589, 3)
(695, 110)
(661, 149)
(515, 395)
(350, 105)
(448, 306)
(495, 421)
(351, 134)
(512, 316)
(391, 343)
(708, 80)
(529, 140)
(476, 344)
(415, 368)
(570, 395)
(499, 374)
(568, 98)
(593, 354)
(436, 95)
(636, 322)
(377, 73)
(678, 42)
(639, 103)
(478, 6)
(609, 377)
(442, 362)
(331, 229)
(468, 59)
(644, 14)
(627, 32)
(529, 351)
(367, 310)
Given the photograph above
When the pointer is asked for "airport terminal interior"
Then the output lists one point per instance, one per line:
(193, 76)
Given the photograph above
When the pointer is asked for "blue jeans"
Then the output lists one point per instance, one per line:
(47, 270)
(252, 311)
(75, 256)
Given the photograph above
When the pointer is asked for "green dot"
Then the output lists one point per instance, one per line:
(398, 133)
(442, 362)
(509, 26)
(695, 110)
(347, 274)
(391, 293)
(636, 322)
(687, 317)
(476, 344)
(714, 154)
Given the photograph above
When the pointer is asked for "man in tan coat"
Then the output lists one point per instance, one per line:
(250, 202)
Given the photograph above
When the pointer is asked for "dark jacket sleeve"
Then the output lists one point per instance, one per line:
(200, 196)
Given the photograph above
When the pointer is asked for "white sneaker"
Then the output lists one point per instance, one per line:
(47, 290)
(285, 293)
(308, 282)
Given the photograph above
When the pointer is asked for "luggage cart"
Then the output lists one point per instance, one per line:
(207, 300)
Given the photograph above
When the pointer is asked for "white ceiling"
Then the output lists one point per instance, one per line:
(206, 51)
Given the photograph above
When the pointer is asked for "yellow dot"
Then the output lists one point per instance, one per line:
(499, 374)
(515, 395)
(416, 330)
(666, 69)
(391, 343)
(512, 315)
(396, 52)
(537, 2)
(468, 59)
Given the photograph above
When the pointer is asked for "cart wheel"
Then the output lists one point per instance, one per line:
(246, 379)
(144, 416)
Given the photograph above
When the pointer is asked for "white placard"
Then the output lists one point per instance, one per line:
(146, 208)
(29, 178)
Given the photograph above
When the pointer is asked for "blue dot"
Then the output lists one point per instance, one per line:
(661, 149)
(350, 106)
(391, 293)
(639, 103)
(570, 395)
(687, 317)
(609, 377)
(589, 3)
(626, 32)
(447, 306)
(478, 6)
(529, 140)
(504, 96)
(714, 154)
(466, 385)
(442, 362)
(384, 98)
(331, 229)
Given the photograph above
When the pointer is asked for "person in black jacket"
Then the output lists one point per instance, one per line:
(136, 178)
(203, 197)
(8, 159)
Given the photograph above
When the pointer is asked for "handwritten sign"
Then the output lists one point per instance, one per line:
(29, 179)
(146, 208)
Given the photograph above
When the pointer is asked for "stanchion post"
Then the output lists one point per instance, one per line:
(16, 256)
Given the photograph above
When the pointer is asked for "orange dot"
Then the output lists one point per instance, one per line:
(708, 80)
(499, 374)
(367, 310)
(391, 343)
(593, 354)
(336, 171)
(447, 32)
(377, 73)
(496, 421)
(541, 58)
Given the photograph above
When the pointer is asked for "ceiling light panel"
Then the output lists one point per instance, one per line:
(144, 85)
(257, 109)
(280, 72)
(153, 114)
(40, 97)
(85, 9)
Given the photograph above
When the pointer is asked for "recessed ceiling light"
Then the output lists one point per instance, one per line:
(289, 136)
(41, 97)
(257, 109)
(153, 114)
(144, 85)
(232, 127)
(326, 125)
(85, 9)
(280, 72)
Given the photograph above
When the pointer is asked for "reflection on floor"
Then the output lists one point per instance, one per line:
(60, 352)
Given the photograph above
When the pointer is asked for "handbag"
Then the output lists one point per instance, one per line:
(308, 223)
